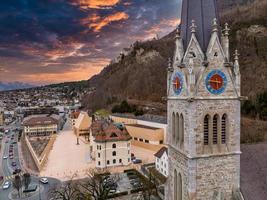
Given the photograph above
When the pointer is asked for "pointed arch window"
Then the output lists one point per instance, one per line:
(181, 126)
(215, 129)
(177, 129)
(206, 129)
(173, 127)
(224, 128)
(178, 186)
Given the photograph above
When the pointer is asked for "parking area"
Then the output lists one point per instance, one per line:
(147, 156)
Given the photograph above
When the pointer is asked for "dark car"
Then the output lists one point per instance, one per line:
(137, 161)
(17, 171)
(14, 164)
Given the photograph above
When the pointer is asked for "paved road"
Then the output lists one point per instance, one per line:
(7, 169)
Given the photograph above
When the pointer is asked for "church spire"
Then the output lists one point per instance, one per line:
(203, 12)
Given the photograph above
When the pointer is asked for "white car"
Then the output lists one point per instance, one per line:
(44, 180)
(6, 185)
(5, 157)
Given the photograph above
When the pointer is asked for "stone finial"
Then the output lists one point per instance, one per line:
(236, 55)
(170, 68)
(193, 26)
(177, 35)
(214, 25)
(226, 29)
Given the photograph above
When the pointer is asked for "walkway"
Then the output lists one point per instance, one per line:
(67, 158)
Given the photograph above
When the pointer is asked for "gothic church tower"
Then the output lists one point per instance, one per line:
(203, 109)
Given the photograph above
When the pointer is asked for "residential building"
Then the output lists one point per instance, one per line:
(110, 144)
(40, 125)
(161, 161)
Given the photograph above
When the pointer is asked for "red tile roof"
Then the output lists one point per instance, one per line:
(74, 114)
(39, 120)
(105, 131)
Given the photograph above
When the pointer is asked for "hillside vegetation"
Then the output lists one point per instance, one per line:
(140, 76)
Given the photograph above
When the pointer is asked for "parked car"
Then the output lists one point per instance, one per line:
(6, 185)
(17, 171)
(137, 161)
(44, 180)
(14, 164)
(5, 157)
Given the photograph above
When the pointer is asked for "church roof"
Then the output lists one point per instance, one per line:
(202, 12)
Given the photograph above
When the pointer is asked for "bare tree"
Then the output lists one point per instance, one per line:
(68, 191)
(17, 183)
(26, 180)
(150, 186)
(99, 184)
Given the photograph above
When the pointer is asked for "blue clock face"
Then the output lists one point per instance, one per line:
(177, 83)
(216, 82)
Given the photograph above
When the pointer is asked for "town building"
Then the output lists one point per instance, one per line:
(110, 144)
(82, 125)
(2, 120)
(203, 109)
(161, 161)
(73, 116)
(146, 136)
(40, 125)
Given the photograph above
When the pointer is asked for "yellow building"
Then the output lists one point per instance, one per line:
(146, 137)
(123, 120)
(2, 119)
(82, 124)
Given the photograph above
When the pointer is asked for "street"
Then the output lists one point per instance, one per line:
(7, 168)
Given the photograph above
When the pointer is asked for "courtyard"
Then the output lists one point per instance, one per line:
(67, 159)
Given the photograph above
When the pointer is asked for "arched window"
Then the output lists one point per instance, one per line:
(181, 126)
(215, 129)
(177, 134)
(224, 128)
(173, 127)
(206, 129)
(114, 161)
(178, 185)
(114, 146)
(114, 153)
(175, 185)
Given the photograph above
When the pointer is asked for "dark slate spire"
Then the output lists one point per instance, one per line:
(203, 12)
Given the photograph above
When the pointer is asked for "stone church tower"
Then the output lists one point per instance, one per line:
(203, 109)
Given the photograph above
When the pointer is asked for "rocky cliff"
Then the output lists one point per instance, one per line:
(140, 75)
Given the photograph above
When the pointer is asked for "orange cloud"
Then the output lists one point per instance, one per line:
(81, 71)
(97, 4)
(97, 23)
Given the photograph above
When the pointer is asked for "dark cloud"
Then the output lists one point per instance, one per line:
(58, 37)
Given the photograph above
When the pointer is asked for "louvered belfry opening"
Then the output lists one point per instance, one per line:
(206, 130)
(223, 126)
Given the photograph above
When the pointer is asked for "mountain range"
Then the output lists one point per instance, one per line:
(14, 86)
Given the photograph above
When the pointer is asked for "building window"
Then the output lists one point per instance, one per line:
(173, 127)
(128, 151)
(181, 126)
(114, 146)
(99, 163)
(215, 129)
(114, 161)
(223, 127)
(107, 162)
(114, 153)
(128, 159)
(135, 138)
(98, 155)
(141, 140)
(120, 161)
(161, 142)
(177, 129)
(206, 130)
(146, 141)
(178, 191)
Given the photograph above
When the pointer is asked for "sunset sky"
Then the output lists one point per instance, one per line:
(51, 41)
